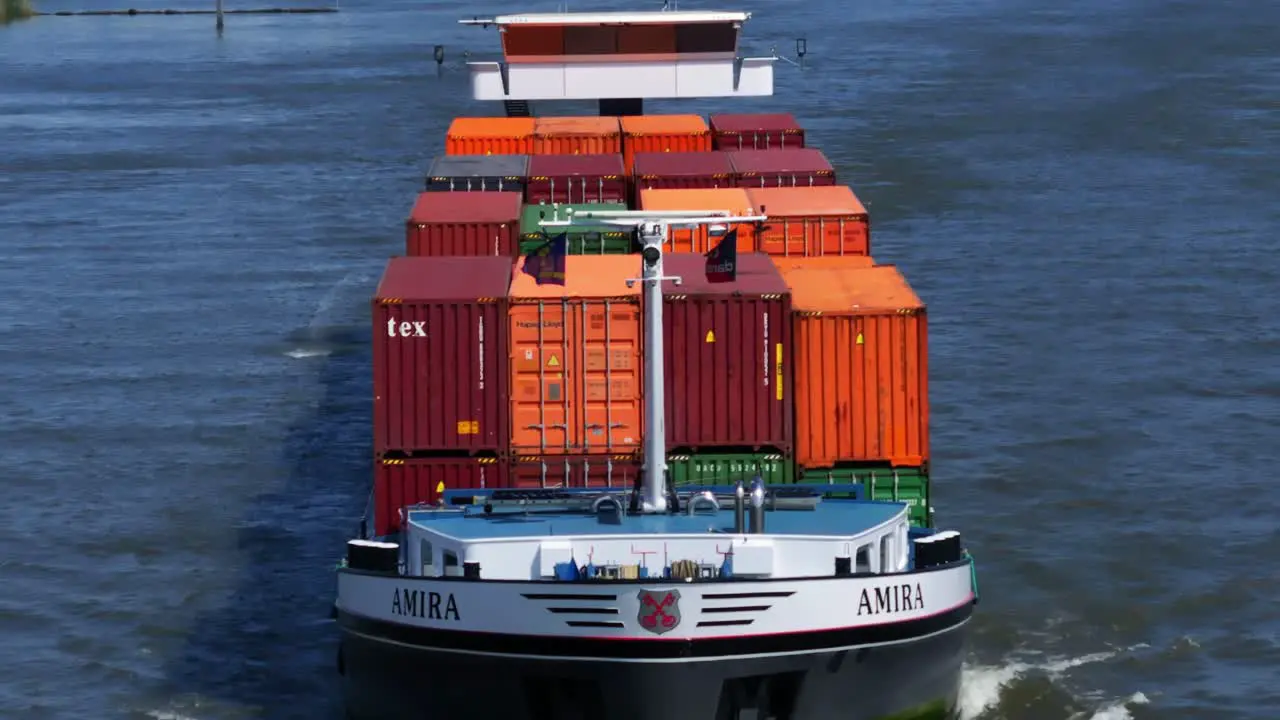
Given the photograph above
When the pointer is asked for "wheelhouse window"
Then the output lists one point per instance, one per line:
(639, 39)
(862, 561)
(426, 556)
(451, 565)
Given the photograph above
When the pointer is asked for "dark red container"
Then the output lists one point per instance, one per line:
(401, 482)
(576, 179)
(574, 471)
(464, 223)
(728, 356)
(681, 170)
(793, 167)
(440, 354)
(768, 131)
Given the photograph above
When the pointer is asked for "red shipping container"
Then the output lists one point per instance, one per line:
(574, 471)
(400, 482)
(440, 355)
(464, 223)
(665, 171)
(764, 131)
(796, 167)
(728, 356)
(576, 179)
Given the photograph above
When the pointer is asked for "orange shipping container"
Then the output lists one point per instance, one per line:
(861, 367)
(812, 221)
(696, 240)
(576, 384)
(490, 136)
(663, 133)
(585, 135)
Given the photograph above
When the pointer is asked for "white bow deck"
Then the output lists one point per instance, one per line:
(512, 545)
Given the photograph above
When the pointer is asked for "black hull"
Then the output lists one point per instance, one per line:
(918, 678)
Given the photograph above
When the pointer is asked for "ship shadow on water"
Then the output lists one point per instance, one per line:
(270, 649)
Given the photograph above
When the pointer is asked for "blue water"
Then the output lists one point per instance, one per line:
(1084, 194)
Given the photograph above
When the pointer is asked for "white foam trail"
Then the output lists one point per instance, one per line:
(167, 715)
(299, 353)
(980, 685)
(1120, 711)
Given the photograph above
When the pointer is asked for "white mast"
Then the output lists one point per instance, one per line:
(653, 227)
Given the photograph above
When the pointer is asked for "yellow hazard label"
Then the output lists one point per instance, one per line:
(777, 369)
(711, 336)
(553, 361)
(468, 427)
(440, 487)
(859, 340)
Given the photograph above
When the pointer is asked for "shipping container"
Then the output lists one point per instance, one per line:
(727, 353)
(464, 223)
(811, 221)
(576, 384)
(576, 179)
(767, 131)
(439, 347)
(663, 133)
(581, 135)
(699, 239)
(712, 468)
(478, 172)
(681, 170)
(490, 136)
(908, 485)
(861, 368)
(799, 167)
(574, 471)
(401, 482)
(582, 240)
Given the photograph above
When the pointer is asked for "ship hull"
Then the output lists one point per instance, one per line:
(390, 677)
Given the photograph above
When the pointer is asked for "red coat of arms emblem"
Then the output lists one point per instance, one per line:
(659, 610)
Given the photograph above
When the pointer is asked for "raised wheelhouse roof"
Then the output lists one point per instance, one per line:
(655, 17)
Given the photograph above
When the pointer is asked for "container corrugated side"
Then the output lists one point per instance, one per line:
(728, 357)
(574, 471)
(712, 468)
(861, 370)
(469, 173)
(581, 135)
(811, 221)
(759, 131)
(698, 239)
(490, 136)
(464, 223)
(576, 361)
(439, 351)
(681, 170)
(401, 482)
(663, 133)
(576, 179)
(798, 167)
(581, 239)
(906, 485)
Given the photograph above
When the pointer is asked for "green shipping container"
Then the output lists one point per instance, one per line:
(728, 468)
(908, 485)
(589, 240)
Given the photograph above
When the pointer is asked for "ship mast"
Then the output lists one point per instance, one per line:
(653, 228)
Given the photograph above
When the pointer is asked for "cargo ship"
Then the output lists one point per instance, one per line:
(650, 422)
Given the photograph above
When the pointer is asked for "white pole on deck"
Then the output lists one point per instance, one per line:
(653, 227)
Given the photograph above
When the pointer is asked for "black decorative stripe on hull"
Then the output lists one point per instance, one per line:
(917, 679)
(653, 649)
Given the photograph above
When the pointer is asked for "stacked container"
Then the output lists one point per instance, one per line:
(490, 136)
(478, 172)
(698, 239)
(464, 223)
(681, 170)
(799, 167)
(769, 131)
(576, 179)
(576, 375)
(861, 377)
(440, 414)
(582, 135)
(811, 221)
(663, 134)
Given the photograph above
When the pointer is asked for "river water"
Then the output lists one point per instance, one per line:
(192, 227)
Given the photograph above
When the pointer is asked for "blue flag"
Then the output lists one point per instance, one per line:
(546, 262)
(722, 261)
